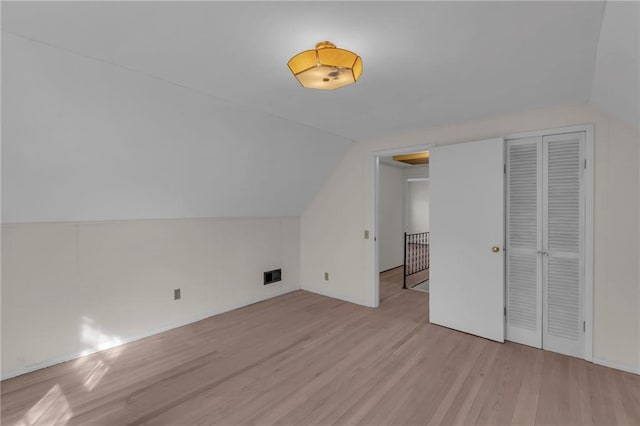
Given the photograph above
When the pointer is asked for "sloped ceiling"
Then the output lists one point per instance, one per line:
(616, 81)
(116, 110)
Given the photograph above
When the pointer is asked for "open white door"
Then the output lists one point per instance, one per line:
(466, 277)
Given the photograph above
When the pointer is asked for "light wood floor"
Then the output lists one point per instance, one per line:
(307, 359)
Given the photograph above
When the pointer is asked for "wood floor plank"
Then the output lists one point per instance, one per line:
(302, 358)
(526, 404)
(465, 408)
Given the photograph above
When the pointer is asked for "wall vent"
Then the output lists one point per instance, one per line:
(274, 276)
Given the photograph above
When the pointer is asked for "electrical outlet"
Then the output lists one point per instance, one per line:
(326, 276)
(176, 294)
(366, 234)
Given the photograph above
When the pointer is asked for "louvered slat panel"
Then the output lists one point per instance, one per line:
(523, 190)
(563, 290)
(522, 303)
(523, 239)
(564, 196)
(563, 241)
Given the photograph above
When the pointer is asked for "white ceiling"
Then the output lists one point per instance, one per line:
(425, 63)
(125, 110)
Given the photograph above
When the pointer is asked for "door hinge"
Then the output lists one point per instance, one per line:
(505, 311)
(585, 163)
(505, 169)
(584, 326)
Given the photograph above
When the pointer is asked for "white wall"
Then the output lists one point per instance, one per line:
(416, 172)
(418, 206)
(390, 217)
(73, 288)
(332, 224)
(616, 77)
(85, 140)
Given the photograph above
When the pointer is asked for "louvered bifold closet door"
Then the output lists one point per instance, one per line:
(563, 243)
(524, 241)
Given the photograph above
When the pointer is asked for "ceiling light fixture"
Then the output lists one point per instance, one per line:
(414, 159)
(326, 67)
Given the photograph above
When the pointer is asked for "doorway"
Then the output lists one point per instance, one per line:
(401, 220)
(416, 234)
(468, 285)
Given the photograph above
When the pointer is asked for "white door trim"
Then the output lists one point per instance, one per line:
(589, 220)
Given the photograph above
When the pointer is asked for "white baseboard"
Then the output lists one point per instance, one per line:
(392, 268)
(58, 360)
(616, 365)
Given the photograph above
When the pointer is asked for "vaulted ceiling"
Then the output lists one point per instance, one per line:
(425, 63)
(196, 114)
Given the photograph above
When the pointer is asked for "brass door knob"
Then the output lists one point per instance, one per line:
(495, 249)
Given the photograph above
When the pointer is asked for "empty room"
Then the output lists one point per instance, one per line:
(328, 213)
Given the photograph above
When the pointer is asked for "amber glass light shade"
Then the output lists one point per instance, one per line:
(326, 67)
(414, 159)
